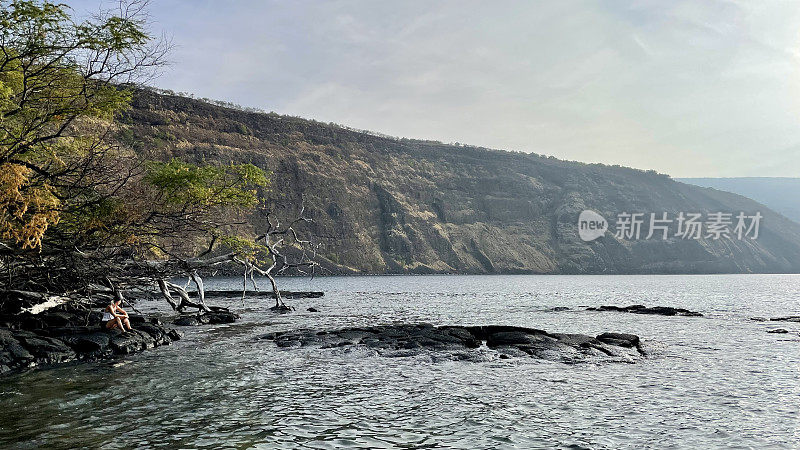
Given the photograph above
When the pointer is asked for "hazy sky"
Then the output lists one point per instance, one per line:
(689, 88)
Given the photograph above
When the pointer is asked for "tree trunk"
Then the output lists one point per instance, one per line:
(278, 300)
(162, 286)
(186, 301)
(201, 293)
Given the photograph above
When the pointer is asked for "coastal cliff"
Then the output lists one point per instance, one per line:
(389, 205)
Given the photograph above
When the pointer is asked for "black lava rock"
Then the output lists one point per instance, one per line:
(410, 339)
(187, 321)
(215, 316)
(641, 309)
(786, 319)
(73, 340)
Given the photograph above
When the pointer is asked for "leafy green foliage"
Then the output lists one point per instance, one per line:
(182, 183)
(51, 79)
(74, 185)
(247, 248)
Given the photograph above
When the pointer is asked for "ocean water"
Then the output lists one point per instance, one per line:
(719, 381)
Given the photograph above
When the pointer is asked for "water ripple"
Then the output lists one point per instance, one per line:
(717, 381)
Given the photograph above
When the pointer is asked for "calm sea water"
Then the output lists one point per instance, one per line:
(711, 382)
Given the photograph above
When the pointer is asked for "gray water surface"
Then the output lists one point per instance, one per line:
(711, 382)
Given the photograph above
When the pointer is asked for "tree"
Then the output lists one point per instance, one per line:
(76, 207)
(58, 90)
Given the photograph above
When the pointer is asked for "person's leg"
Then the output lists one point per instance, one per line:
(128, 324)
(111, 324)
(119, 324)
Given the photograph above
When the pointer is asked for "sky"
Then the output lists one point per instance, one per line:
(700, 88)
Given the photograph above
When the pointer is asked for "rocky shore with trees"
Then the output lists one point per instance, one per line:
(85, 219)
(89, 214)
(74, 331)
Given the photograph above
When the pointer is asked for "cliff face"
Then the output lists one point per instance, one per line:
(382, 205)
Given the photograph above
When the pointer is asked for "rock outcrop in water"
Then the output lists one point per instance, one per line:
(778, 331)
(786, 319)
(410, 339)
(217, 315)
(71, 333)
(654, 310)
(21, 349)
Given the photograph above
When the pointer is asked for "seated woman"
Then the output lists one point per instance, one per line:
(116, 317)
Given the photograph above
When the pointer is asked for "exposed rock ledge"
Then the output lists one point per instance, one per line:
(410, 339)
(786, 319)
(66, 333)
(655, 310)
(217, 315)
(20, 349)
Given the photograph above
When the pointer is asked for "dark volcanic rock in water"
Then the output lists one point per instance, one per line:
(187, 321)
(70, 332)
(89, 342)
(641, 309)
(621, 339)
(778, 331)
(21, 349)
(46, 350)
(215, 316)
(786, 319)
(281, 309)
(409, 339)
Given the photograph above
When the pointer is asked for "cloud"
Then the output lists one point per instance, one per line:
(684, 87)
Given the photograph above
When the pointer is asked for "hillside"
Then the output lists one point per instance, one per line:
(780, 194)
(385, 205)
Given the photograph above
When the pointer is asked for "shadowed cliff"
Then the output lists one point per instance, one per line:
(386, 205)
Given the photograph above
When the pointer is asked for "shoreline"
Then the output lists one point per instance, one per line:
(70, 333)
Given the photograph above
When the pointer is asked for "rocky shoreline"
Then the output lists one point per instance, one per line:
(71, 332)
(22, 349)
(508, 341)
(74, 330)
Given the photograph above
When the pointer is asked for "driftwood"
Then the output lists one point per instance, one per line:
(273, 239)
(138, 274)
(185, 300)
(38, 301)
